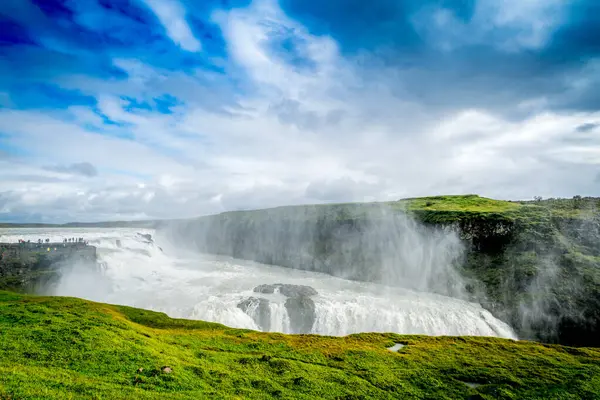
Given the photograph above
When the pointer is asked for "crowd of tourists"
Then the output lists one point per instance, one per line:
(65, 241)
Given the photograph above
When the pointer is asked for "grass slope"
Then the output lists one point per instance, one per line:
(56, 347)
(467, 203)
(453, 208)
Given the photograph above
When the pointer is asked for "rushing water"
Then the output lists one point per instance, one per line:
(157, 276)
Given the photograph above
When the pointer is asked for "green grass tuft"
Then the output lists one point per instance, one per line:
(63, 348)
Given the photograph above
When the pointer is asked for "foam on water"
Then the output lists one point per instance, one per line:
(185, 285)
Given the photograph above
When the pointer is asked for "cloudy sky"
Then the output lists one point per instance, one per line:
(129, 109)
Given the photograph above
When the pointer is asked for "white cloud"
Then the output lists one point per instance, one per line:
(83, 169)
(172, 16)
(324, 133)
(251, 34)
(510, 25)
(533, 21)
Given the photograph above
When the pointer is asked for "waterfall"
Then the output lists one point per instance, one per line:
(155, 275)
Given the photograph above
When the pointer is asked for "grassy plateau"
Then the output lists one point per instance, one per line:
(67, 348)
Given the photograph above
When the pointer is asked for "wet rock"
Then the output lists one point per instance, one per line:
(300, 307)
(146, 236)
(292, 291)
(258, 309)
(302, 313)
(396, 347)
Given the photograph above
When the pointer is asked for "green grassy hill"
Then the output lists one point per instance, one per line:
(63, 348)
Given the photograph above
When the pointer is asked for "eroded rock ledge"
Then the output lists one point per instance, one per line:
(300, 307)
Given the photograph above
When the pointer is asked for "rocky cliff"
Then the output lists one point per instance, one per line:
(535, 264)
(33, 267)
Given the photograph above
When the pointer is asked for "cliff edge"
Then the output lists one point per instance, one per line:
(32, 267)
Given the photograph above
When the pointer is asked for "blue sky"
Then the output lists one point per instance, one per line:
(127, 109)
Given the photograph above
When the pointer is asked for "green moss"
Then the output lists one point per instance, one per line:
(69, 348)
(560, 209)
(468, 203)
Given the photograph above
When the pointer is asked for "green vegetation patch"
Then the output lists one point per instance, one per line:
(471, 202)
(57, 347)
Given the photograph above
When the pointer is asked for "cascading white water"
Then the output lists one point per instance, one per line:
(186, 285)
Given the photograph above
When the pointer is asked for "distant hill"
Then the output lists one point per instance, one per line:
(107, 224)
